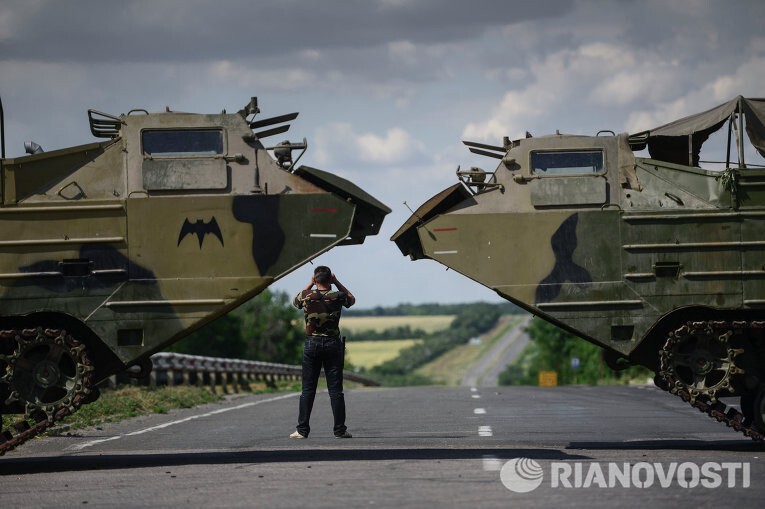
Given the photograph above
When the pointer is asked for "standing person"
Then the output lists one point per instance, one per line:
(323, 347)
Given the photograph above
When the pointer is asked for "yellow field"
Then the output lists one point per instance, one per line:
(371, 353)
(430, 323)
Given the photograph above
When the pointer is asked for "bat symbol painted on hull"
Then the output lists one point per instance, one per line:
(200, 229)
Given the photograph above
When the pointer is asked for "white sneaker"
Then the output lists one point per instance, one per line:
(297, 435)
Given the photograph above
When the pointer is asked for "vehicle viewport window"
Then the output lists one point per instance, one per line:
(182, 143)
(580, 162)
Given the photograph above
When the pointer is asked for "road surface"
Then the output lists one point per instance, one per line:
(412, 447)
(485, 372)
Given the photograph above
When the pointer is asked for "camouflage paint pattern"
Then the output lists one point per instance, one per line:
(140, 249)
(615, 255)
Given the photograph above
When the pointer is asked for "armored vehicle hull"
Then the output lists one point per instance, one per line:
(654, 259)
(112, 251)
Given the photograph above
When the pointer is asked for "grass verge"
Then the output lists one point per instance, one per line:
(451, 367)
(127, 402)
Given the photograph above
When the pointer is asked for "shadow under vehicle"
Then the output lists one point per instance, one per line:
(658, 261)
(111, 251)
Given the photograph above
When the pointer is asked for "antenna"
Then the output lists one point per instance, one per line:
(421, 220)
(413, 212)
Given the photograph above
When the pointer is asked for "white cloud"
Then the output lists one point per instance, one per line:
(396, 145)
(384, 88)
(745, 80)
(403, 51)
(757, 45)
(13, 18)
(602, 54)
(340, 142)
(311, 54)
(604, 80)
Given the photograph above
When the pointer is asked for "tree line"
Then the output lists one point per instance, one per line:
(398, 332)
(265, 328)
(268, 328)
(427, 309)
(471, 320)
(552, 349)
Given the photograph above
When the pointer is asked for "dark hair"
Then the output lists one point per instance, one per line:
(322, 274)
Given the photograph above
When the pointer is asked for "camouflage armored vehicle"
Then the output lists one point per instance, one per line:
(113, 250)
(658, 261)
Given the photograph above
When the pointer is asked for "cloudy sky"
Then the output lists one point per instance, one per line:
(387, 89)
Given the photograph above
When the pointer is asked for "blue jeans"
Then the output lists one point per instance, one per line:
(329, 353)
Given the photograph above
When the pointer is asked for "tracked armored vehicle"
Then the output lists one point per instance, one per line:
(113, 250)
(658, 261)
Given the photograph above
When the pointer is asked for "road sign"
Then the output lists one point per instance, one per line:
(574, 362)
(548, 378)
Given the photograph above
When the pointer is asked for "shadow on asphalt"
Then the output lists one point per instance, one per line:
(19, 466)
(673, 445)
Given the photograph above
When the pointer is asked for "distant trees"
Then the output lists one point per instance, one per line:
(427, 309)
(266, 328)
(399, 332)
(552, 349)
(219, 338)
(471, 320)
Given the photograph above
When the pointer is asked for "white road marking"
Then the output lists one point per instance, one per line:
(324, 235)
(479, 411)
(473, 389)
(491, 463)
(79, 447)
(485, 431)
(476, 396)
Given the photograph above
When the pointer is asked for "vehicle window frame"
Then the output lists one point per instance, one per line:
(185, 155)
(537, 174)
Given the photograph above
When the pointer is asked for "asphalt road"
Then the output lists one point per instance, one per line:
(485, 372)
(412, 447)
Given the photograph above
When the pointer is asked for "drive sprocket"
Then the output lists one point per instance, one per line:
(700, 360)
(698, 364)
(44, 373)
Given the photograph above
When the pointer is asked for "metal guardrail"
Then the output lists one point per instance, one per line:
(181, 369)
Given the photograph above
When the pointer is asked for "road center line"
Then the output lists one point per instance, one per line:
(479, 411)
(79, 447)
(485, 431)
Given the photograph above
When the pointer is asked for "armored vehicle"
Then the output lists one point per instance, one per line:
(111, 251)
(658, 261)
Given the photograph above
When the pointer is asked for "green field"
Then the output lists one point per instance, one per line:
(371, 353)
(428, 323)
